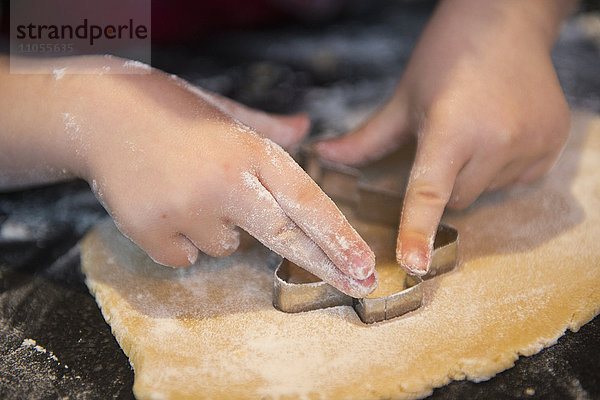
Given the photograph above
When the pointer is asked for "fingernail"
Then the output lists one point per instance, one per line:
(192, 257)
(190, 250)
(360, 268)
(415, 262)
(367, 287)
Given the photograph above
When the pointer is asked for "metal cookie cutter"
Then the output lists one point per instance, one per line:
(374, 192)
(296, 290)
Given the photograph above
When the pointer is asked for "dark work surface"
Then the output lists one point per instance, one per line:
(337, 72)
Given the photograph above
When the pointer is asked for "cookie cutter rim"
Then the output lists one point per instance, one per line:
(377, 205)
(372, 203)
(294, 297)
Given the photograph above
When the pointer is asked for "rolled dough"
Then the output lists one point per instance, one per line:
(529, 270)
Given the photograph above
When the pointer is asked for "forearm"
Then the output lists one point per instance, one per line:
(48, 120)
(32, 130)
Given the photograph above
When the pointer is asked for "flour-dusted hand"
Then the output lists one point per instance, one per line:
(180, 169)
(481, 94)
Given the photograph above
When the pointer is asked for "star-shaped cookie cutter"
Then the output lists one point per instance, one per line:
(296, 290)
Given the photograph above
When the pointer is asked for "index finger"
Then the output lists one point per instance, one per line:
(256, 211)
(315, 213)
(429, 188)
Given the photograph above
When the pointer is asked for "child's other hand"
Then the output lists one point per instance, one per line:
(179, 171)
(481, 94)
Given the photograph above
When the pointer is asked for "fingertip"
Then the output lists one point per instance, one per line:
(344, 150)
(183, 253)
(296, 128)
(414, 257)
(301, 121)
(415, 262)
(429, 191)
(362, 288)
(178, 261)
(362, 266)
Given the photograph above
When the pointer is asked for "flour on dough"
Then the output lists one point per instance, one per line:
(529, 270)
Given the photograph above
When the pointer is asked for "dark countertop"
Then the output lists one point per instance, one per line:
(337, 72)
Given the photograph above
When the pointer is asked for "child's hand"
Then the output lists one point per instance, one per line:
(178, 171)
(483, 99)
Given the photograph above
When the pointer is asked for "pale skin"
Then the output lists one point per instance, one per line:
(181, 170)
(176, 167)
(482, 97)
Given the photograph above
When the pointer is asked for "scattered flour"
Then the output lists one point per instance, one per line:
(28, 343)
(59, 73)
(137, 65)
(14, 231)
(75, 133)
(38, 348)
(530, 391)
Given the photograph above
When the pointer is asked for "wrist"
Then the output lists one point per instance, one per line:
(538, 21)
(40, 132)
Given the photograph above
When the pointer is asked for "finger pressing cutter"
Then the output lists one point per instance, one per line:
(373, 205)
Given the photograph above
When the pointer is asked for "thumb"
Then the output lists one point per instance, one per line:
(285, 130)
(381, 134)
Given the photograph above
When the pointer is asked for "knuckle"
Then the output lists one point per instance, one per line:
(308, 195)
(503, 138)
(441, 106)
(429, 195)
